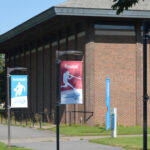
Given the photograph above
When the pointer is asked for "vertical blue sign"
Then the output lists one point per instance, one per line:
(19, 91)
(108, 103)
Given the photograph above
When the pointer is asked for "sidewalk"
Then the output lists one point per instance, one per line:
(68, 145)
(46, 140)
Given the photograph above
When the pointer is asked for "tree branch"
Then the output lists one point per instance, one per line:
(121, 5)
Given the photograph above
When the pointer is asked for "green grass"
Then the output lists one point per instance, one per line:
(77, 130)
(129, 143)
(4, 147)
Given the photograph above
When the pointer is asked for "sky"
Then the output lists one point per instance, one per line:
(15, 12)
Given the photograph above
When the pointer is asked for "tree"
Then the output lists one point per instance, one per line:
(121, 5)
(2, 78)
(2, 62)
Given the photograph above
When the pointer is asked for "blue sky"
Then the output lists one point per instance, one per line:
(15, 12)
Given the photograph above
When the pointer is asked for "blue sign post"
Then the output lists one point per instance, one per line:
(108, 103)
(19, 91)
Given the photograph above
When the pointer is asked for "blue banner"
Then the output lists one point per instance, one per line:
(108, 103)
(19, 91)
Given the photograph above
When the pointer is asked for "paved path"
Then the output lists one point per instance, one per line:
(69, 145)
(46, 140)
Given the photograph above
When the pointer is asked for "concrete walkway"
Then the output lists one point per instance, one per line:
(46, 140)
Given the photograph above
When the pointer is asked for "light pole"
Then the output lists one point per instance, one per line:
(9, 70)
(145, 95)
(59, 54)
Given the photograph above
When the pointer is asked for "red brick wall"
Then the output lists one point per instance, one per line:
(117, 61)
(90, 80)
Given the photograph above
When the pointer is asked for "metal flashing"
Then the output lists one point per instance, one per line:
(91, 12)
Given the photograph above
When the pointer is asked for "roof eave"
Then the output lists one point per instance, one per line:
(67, 11)
(93, 12)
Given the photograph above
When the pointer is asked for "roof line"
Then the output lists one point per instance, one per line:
(71, 11)
(95, 12)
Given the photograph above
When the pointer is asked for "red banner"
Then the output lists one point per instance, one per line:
(71, 82)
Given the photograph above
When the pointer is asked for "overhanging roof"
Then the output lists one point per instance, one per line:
(102, 4)
(71, 11)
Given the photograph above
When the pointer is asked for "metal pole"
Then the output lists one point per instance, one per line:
(58, 54)
(70, 118)
(57, 125)
(145, 96)
(57, 103)
(9, 70)
(8, 108)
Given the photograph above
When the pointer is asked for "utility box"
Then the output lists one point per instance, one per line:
(114, 122)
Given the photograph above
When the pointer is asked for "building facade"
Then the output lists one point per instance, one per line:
(111, 46)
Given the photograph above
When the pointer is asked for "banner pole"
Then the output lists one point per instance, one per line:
(57, 102)
(8, 108)
(145, 95)
(8, 73)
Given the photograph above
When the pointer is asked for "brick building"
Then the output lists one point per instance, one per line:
(111, 45)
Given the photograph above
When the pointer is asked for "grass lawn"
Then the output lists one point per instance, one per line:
(129, 143)
(4, 147)
(77, 130)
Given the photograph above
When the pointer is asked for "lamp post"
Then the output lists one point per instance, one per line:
(9, 70)
(145, 95)
(58, 55)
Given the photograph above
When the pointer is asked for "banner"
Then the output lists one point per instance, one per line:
(71, 82)
(19, 91)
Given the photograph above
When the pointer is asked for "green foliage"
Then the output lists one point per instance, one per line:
(4, 147)
(2, 62)
(84, 130)
(2, 78)
(122, 5)
(2, 87)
